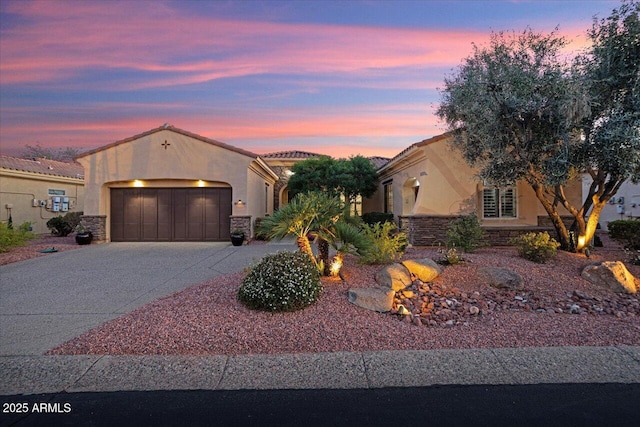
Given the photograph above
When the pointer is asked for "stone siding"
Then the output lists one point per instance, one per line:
(241, 222)
(97, 225)
(426, 230)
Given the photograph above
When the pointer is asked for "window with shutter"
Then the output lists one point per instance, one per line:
(499, 203)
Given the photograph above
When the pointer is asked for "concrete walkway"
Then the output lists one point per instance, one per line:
(49, 300)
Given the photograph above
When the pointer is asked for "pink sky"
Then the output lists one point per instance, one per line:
(85, 74)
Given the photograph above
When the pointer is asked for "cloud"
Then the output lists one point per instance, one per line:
(59, 42)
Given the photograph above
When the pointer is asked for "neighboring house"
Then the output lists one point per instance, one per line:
(624, 205)
(38, 190)
(281, 163)
(428, 184)
(168, 184)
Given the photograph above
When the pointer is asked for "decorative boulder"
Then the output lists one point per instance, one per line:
(612, 275)
(376, 299)
(425, 269)
(501, 278)
(395, 276)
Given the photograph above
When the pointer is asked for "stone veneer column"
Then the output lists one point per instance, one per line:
(97, 225)
(241, 222)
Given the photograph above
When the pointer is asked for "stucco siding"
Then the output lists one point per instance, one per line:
(19, 189)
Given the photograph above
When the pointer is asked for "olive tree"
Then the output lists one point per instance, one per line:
(519, 111)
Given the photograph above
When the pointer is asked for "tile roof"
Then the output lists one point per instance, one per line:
(43, 166)
(294, 154)
(378, 161)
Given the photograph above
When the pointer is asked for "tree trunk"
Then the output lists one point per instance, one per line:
(323, 254)
(556, 219)
(305, 248)
(588, 229)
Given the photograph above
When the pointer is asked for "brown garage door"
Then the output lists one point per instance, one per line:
(170, 214)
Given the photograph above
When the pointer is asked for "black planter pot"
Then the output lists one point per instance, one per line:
(84, 238)
(237, 239)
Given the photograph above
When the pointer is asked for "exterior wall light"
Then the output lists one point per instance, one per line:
(239, 203)
(138, 183)
(200, 183)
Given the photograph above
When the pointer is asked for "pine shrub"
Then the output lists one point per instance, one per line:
(465, 233)
(536, 247)
(285, 281)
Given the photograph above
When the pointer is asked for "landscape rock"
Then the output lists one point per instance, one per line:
(425, 269)
(501, 278)
(395, 276)
(611, 275)
(376, 299)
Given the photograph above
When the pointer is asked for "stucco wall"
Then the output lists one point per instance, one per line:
(448, 186)
(21, 188)
(182, 162)
(630, 203)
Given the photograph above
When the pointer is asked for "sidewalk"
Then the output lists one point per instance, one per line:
(358, 370)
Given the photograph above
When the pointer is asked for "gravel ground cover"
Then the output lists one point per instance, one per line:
(35, 246)
(207, 319)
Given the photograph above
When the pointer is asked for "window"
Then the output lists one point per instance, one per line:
(499, 203)
(388, 196)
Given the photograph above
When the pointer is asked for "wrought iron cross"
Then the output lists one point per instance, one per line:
(165, 144)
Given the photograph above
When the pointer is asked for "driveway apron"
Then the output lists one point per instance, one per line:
(48, 300)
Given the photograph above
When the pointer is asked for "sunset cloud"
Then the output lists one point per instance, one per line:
(87, 73)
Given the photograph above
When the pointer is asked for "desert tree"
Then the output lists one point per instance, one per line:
(520, 111)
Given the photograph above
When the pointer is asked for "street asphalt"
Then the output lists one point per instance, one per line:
(48, 300)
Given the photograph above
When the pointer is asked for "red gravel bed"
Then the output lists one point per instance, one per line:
(34, 247)
(207, 319)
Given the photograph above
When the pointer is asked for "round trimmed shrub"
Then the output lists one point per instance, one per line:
(285, 281)
(536, 247)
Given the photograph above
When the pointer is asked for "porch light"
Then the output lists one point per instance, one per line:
(138, 183)
(239, 203)
(200, 183)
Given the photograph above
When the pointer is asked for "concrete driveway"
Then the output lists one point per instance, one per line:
(48, 300)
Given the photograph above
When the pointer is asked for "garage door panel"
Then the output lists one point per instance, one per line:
(132, 214)
(170, 214)
(195, 214)
(165, 225)
(150, 215)
(212, 215)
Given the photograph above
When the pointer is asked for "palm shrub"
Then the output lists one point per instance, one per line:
(465, 233)
(323, 215)
(285, 281)
(536, 247)
(387, 243)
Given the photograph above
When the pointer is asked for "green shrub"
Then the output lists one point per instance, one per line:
(11, 238)
(371, 218)
(536, 247)
(387, 243)
(63, 225)
(450, 256)
(627, 232)
(465, 233)
(285, 281)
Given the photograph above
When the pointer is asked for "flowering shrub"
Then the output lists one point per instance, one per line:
(285, 281)
(536, 247)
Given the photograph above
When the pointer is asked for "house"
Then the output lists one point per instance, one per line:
(281, 163)
(37, 190)
(168, 184)
(428, 184)
(624, 205)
